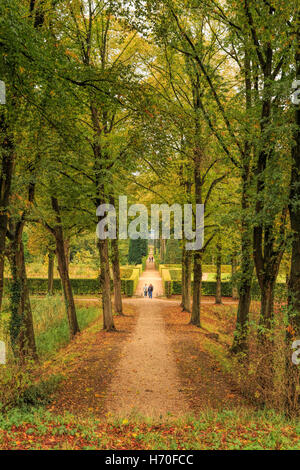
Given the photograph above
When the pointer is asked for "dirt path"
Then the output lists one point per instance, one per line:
(146, 381)
(150, 276)
(156, 365)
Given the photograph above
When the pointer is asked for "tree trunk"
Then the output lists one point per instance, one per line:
(186, 284)
(115, 261)
(195, 318)
(117, 277)
(293, 330)
(198, 156)
(67, 252)
(267, 307)
(2, 262)
(66, 283)
(63, 270)
(235, 292)
(51, 257)
(21, 321)
(219, 273)
(183, 268)
(108, 321)
(7, 164)
(240, 341)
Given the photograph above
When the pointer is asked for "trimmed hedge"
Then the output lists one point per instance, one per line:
(130, 284)
(209, 288)
(39, 286)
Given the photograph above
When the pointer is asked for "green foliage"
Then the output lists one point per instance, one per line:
(15, 322)
(40, 393)
(129, 285)
(39, 286)
(56, 334)
(137, 250)
(173, 252)
(17, 387)
(209, 288)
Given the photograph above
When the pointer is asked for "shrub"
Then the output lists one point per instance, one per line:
(137, 250)
(18, 389)
(39, 393)
(129, 285)
(39, 286)
(173, 252)
(209, 288)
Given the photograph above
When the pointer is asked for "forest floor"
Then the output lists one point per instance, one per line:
(156, 383)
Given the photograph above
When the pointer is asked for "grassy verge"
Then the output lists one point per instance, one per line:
(229, 430)
(57, 335)
(50, 322)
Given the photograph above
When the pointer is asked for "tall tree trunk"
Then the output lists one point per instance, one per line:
(63, 270)
(117, 277)
(67, 252)
(2, 263)
(196, 308)
(115, 261)
(195, 318)
(21, 321)
(183, 268)
(293, 330)
(240, 341)
(108, 321)
(101, 160)
(218, 298)
(235, 292)
(198, 159)
(7, 164)
(51, 257)
(267, 305)
(186, 284)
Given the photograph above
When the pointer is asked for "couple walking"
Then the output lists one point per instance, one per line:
(148, 290)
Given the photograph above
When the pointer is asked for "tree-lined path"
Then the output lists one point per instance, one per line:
(146, 380)
(150, 276)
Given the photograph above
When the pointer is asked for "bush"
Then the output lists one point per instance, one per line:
(168, 288)
(137, 250)
(39, 286)
(40, 393)
(209, 288)
(173, 252)
(18, 389)
(129, 286)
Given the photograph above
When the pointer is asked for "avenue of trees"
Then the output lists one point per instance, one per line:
(167, 102)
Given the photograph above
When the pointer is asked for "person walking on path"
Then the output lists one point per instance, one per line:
(150, 291)
(145, 290)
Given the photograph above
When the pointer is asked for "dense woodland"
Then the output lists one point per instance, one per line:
(186, 102)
